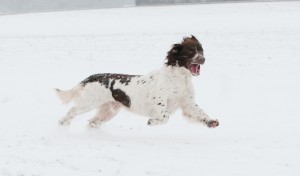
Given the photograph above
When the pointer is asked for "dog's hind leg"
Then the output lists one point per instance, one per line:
(105, 113)
(74, 111)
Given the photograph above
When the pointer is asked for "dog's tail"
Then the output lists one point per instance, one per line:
(68, 95)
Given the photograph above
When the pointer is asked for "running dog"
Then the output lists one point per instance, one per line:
(155, 95)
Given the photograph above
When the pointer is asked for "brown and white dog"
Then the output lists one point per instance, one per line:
(155, 95)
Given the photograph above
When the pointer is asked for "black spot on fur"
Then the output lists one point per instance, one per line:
(119, 95)
(104, 78)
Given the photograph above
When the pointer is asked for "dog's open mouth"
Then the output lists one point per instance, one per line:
(194, 68)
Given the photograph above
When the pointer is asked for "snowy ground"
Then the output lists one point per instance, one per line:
(250, 82)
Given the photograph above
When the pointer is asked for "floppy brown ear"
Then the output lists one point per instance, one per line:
(173, 55)
(176, 48)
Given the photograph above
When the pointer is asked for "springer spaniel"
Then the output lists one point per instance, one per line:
(156, 95)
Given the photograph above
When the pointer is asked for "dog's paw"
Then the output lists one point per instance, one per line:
(212, 123)
(94, 125)
(64, 123)
(152, 122)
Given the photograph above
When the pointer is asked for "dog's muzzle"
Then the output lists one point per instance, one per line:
(194, 64)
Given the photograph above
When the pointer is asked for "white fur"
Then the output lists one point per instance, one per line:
(163, 91)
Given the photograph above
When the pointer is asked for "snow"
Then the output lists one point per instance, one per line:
(250, 83)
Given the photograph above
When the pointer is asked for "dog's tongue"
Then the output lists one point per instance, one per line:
(195, 69)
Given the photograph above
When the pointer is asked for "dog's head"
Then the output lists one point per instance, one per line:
(187, 54)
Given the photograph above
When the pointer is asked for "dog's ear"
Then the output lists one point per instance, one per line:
(194, 38)
(173, 55)
(176, 48)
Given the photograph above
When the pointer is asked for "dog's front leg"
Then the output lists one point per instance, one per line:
(161, 115)
(196, 114)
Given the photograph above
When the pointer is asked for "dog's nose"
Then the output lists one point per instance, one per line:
(201, 59)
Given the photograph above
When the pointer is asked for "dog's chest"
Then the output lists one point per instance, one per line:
(179, 90)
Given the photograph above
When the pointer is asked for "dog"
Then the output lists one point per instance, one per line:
(155, 95)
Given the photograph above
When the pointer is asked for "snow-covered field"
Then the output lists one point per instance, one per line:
(250, 82)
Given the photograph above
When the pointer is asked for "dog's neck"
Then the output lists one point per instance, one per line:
(179, 72)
